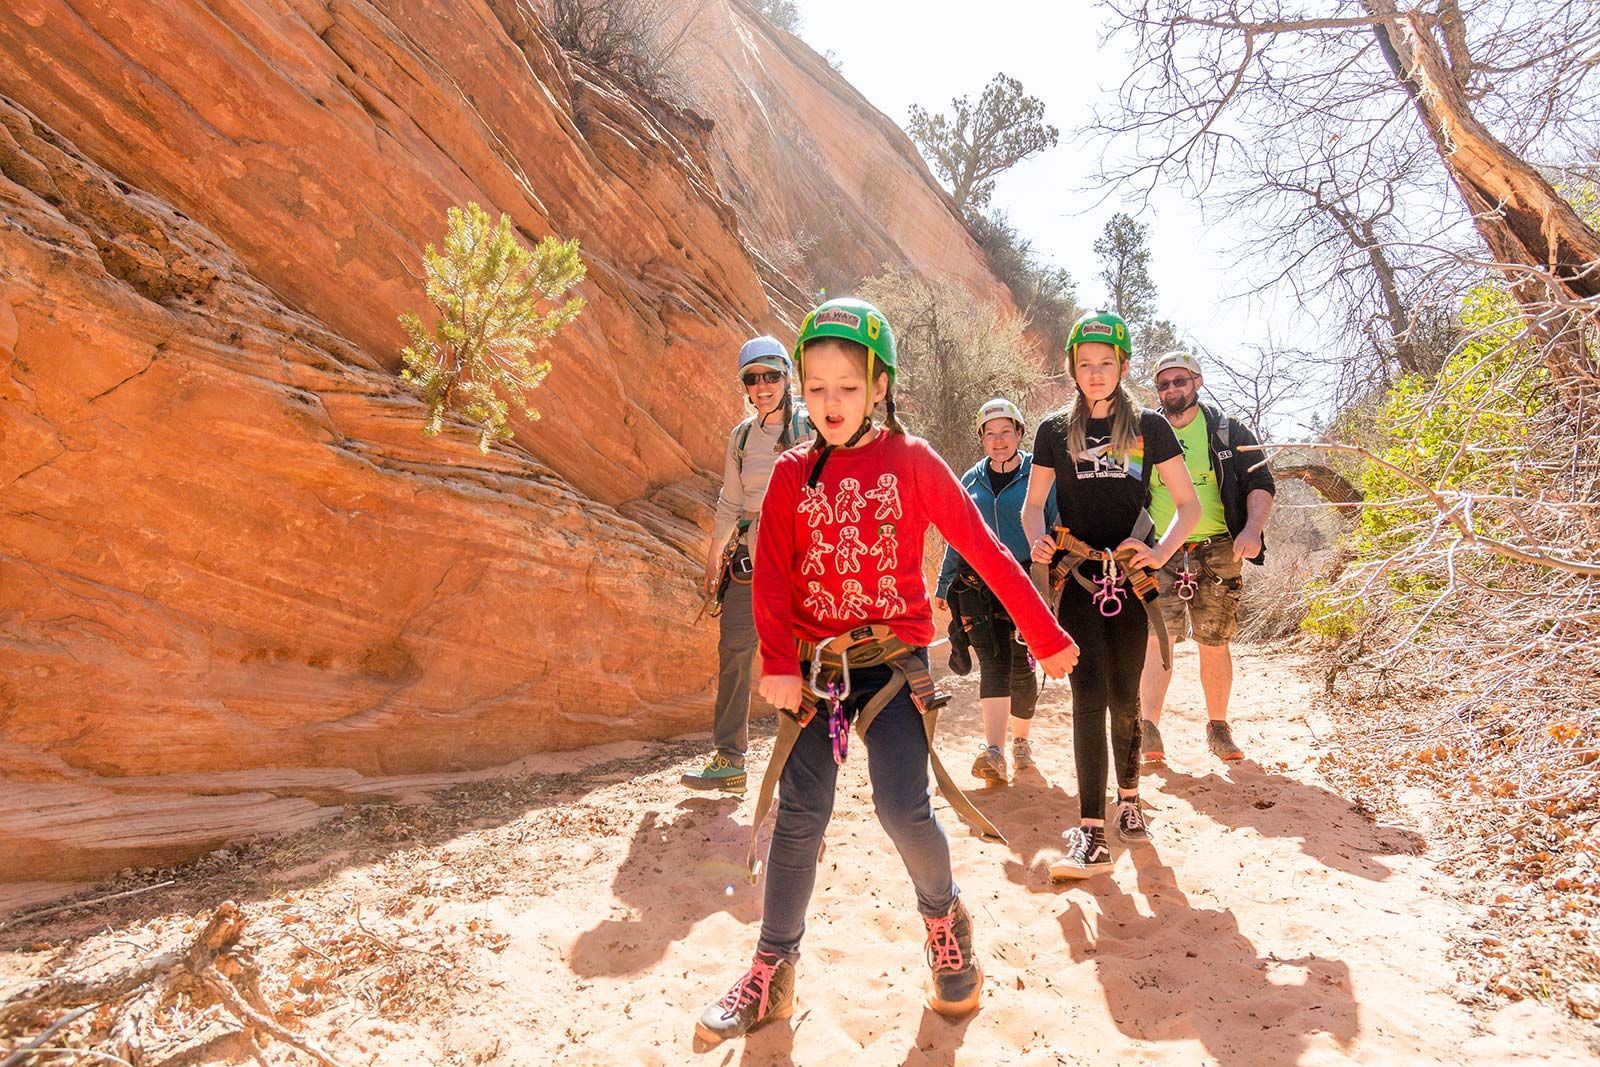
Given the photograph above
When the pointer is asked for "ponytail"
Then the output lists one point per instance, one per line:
(786, 434)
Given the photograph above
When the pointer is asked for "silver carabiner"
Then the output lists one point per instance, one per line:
(844, 666)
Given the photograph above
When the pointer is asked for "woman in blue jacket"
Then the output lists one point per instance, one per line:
(998, 484)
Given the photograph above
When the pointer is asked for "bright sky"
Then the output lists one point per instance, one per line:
(900, 52)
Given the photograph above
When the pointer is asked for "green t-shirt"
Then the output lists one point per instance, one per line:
(1197, 457)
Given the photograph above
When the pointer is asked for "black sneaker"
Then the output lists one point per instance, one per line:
(1131, 826)
(766, 992)
(1150, 742)
(1087, 854)
(957, 979)
(1219, 738)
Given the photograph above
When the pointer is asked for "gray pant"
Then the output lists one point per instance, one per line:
(736, 654)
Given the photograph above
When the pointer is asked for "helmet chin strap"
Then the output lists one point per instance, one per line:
(827, 450)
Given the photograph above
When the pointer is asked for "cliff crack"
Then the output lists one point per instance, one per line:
(155, 355)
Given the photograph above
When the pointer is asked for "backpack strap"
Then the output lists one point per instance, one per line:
(741, 441)
(800, 423)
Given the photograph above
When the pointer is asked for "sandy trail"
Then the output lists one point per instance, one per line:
(1272, 922)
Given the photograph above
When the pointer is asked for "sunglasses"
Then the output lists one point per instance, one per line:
(1174, 383)
(764, 377)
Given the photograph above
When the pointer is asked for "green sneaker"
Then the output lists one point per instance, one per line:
(721, 773)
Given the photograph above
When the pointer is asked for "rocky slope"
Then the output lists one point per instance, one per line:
(237, 586)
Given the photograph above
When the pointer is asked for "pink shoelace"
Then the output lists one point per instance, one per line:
(944, 951)
(757, 982)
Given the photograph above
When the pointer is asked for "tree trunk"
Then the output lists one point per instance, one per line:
(1332, 486)
(1549, 253)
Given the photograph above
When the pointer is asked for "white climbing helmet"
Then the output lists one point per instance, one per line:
(1000, 408)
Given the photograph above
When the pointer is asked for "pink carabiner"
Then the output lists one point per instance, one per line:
(838, 724)
(1108, 597)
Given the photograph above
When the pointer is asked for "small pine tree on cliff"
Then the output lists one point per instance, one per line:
(495, 299)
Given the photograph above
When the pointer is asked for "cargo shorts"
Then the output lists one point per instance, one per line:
(1212, 616)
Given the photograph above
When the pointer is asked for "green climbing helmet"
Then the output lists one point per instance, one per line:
(852, 320)
(1105, 326)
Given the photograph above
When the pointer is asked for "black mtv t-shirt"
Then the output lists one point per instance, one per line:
(1099, 496)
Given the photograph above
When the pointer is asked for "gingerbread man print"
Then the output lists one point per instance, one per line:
(815, 506)
(851, 549)
(887, 494)
(820, 602)
(889, 601)
(813, 561)
(847, 506)
(855, 602)
(886, 550)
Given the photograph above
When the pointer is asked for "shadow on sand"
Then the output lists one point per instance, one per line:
(1173, 972)
(1330, 829)
(676, 873)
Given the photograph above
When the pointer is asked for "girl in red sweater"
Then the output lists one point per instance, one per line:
(840, 550)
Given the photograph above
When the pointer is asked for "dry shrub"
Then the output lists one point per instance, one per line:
(1300, 536)
(955, 352)
(1466, 630)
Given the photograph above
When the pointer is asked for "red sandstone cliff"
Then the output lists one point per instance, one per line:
(237, 586)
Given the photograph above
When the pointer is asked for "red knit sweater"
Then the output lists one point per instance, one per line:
(849, 551)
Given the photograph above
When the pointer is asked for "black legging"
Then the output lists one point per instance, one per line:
(1003, 669)
(1110, 660)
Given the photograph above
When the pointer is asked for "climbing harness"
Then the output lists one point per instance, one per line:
(1107, 590)
(736, 565)
(827, 683)
(1186, 586)
(1108, 593)
(834, 693)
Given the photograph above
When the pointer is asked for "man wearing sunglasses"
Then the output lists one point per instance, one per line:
(1201, 584)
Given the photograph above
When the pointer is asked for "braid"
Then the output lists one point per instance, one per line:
(894, 424)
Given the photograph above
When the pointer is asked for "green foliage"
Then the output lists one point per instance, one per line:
(495, 301)
(976, 142)
(1328, 615)
(781, 13)
(1463, 433)
(1460, 433)
(1124, 251)
(1045, 293)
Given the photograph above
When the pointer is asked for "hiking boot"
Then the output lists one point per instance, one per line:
(1087, 854)
(1150, 742)
(721, 773)
(766, 992)
(1220, 739)
(1131, 826)
(990, 765)
(957, 978)
(1022, 755)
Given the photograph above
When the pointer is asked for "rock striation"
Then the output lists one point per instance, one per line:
(238, 587)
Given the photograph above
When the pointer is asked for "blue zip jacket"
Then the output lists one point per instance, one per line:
(1002, 514)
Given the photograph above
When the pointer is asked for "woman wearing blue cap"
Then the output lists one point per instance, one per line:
(778, 423)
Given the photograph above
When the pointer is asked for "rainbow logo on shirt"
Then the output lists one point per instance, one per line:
(1102, 464)
(1135, 464)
